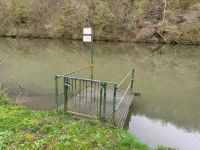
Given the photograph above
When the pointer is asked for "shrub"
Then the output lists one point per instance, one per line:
(17, 12)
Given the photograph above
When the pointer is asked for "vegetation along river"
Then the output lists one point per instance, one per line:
(168, 78)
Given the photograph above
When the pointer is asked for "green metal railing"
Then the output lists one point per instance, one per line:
(130, 86)
(91, 98)
(59, 77)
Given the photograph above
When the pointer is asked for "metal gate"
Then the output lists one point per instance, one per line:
(89, 97)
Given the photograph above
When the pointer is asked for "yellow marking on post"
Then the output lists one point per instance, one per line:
(92, 68)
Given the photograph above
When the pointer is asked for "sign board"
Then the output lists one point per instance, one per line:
(87, 31)
(87, 38)
(87, 35)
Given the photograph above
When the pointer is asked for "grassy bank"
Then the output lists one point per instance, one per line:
(21, 128)
(157, 21)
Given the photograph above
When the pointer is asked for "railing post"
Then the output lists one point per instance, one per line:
(104, 100)
(56, 91)
(114, 102)
(101, 92)
(92, 62)
(132, 79)
(65, 93)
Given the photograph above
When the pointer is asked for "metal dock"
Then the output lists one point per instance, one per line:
(93, 98)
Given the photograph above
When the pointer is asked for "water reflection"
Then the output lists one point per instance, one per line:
(171, 87)
(167, 76)
(166, 134)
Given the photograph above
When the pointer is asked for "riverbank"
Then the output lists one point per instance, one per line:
(156, 21)
(22, 128)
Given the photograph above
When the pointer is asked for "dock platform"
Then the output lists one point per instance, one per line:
(82, 103)
(96, 98)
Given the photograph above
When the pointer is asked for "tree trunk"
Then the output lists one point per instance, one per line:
(164, 10)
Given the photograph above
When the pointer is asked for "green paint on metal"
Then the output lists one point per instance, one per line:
(92, 61)
(56, 91)
(104, 102)
(114, 102)
(79, 99)
(132, 79)
(84, 79)
(101, 95)
(91, 89)
(65, 93)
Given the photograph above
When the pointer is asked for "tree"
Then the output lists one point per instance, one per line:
(164, 10)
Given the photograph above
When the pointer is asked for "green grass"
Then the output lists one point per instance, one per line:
(21, 128)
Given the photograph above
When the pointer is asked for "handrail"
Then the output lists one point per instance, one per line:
(59, 76)
(124, 79)
(132, 71)
(130, 86)
(123, 96)
(85, 79)
(57, 93)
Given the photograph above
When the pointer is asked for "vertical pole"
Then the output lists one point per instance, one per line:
(56, 91)
(101, 91)
(75, 91)
(114, 102)
(132, 78)
(92, 61)
(91, 69)
(65, 93)
(86, 92)
(88, 38)
(104, 103)
(79, 100)
(91, 90)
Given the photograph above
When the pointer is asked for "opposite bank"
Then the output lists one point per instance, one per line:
(155, 21)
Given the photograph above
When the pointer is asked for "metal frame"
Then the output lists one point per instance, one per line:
(103, 85)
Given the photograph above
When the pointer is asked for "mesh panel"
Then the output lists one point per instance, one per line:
(84, 96)
(96, 98)
(124, 100)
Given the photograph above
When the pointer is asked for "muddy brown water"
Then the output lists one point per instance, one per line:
(168, 77)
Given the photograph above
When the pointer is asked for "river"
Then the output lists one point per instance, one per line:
(168, 78)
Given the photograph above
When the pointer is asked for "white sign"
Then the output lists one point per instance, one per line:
(87, 38)
(87, 31)
(87, 35)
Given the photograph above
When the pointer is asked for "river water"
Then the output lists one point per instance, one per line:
(168, 78)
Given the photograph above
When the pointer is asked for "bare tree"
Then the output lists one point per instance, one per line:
(164, 10)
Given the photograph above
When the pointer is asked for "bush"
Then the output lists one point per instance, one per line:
(17, 12)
